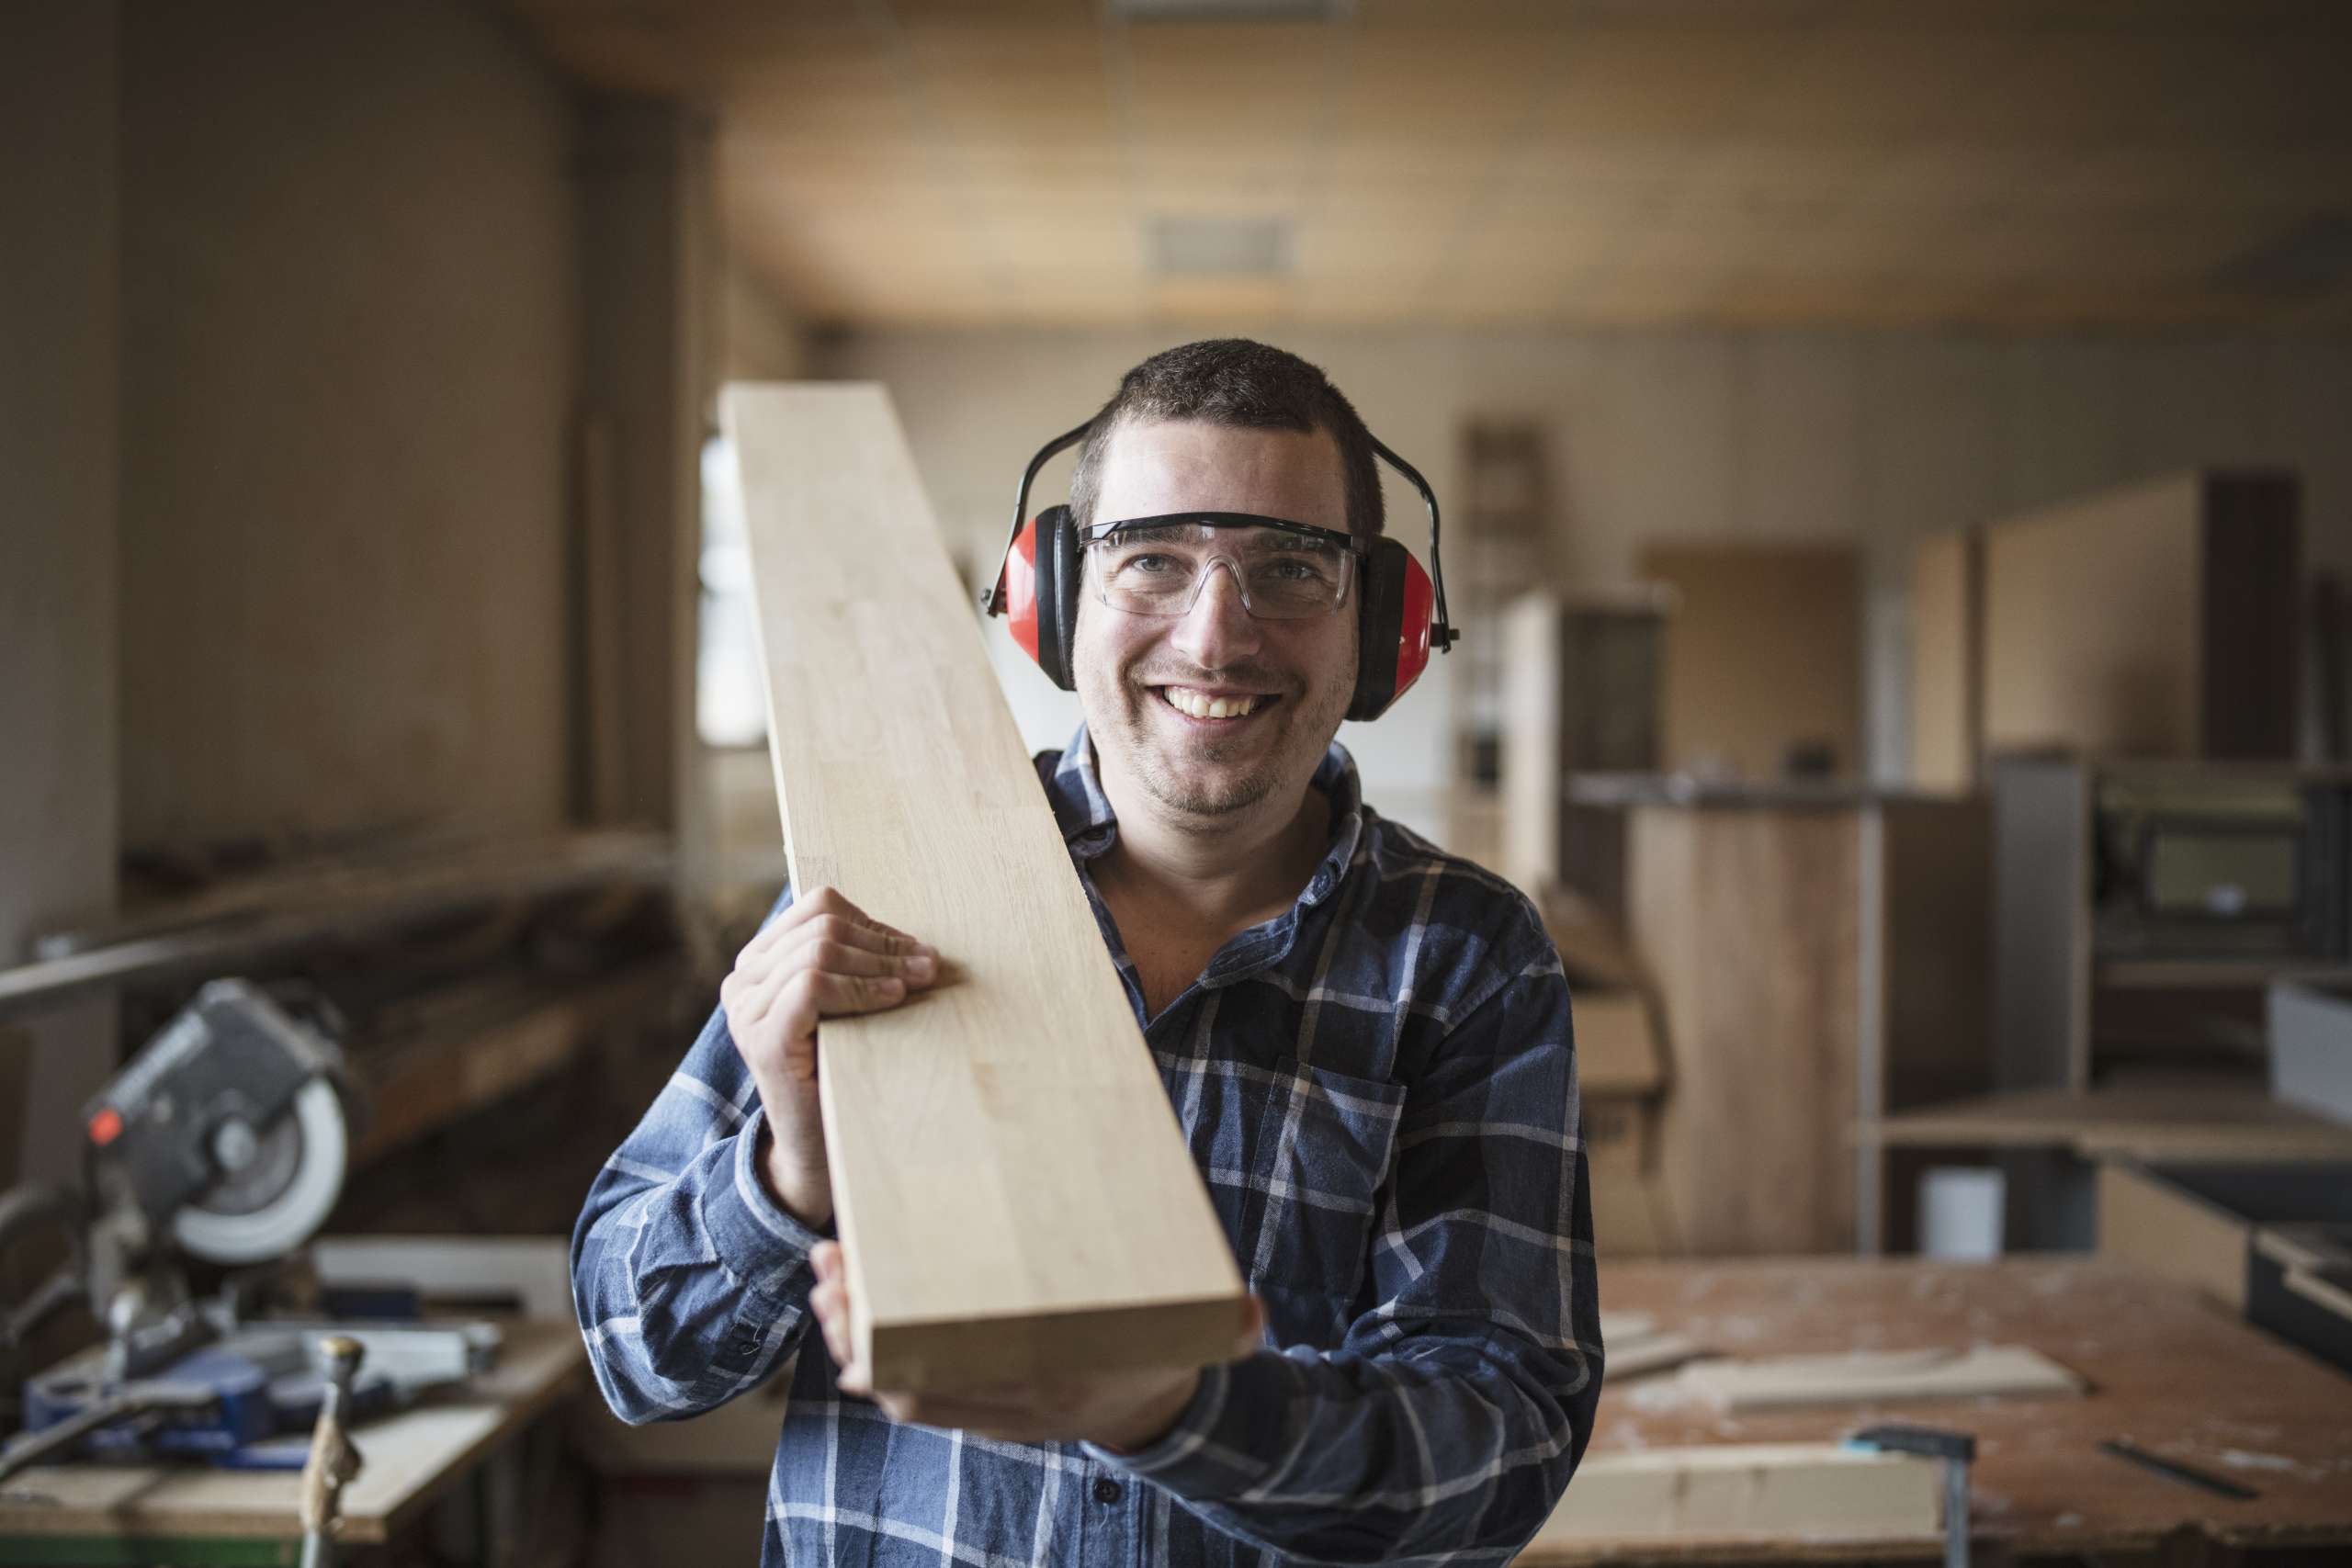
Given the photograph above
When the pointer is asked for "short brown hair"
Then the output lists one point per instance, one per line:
(1250, 385)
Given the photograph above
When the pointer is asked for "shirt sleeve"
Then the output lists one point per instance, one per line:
(1447, 1424)
(691, 1282)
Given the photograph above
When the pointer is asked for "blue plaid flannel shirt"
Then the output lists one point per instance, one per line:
(1380, 1089)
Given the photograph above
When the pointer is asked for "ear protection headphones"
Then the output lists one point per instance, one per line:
(1400, 609)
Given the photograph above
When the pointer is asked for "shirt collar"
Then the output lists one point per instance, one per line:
(1089, 827)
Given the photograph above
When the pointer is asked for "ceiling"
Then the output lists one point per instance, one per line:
(2004, 162)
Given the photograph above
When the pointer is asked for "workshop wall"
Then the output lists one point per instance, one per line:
(58, 439)
(1873, 436)
(348, 298)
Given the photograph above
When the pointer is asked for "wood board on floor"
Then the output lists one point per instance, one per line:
(1651, 1353)
(1867, 1377)
(1014, 1195)
(1762, 1491)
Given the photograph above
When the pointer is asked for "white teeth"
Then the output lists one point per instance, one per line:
(1199, 706)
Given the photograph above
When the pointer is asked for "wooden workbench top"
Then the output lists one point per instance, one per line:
(411, 1456)
(2168, 1371)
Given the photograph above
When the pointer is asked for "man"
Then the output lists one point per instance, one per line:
(1366, 1041)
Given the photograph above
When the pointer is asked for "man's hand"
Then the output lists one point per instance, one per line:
(823, 957)
(1121, 1411)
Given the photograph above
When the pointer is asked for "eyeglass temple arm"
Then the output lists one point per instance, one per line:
(1442, 637)
(992, 597)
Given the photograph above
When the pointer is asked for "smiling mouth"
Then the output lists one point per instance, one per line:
(1204, 708)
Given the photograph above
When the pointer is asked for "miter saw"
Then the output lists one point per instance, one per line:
(224, 1141)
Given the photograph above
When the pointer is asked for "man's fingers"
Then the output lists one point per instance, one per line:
(842, 946)
(827, 906)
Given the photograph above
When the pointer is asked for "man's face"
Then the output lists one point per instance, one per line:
(1299, 672)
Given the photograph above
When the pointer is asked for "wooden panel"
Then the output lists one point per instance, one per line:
(1730, 1494)
(1947, 668)
(2093, 623)
(2147, 1224)
(1013, 1192)
(1747, 919)
(1875, 1377)
(1763, 654)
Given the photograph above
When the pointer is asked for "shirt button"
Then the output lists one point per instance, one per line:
(1107, 1490)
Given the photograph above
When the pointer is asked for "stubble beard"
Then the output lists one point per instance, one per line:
(1223, 793)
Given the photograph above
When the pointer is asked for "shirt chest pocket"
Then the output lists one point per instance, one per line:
(1295, 1159)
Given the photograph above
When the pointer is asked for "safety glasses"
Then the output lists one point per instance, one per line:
(1157, 566)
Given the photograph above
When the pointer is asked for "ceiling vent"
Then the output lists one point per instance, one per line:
(1218, 247)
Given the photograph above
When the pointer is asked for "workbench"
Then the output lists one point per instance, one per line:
(195, 1514)
(2169, 1372)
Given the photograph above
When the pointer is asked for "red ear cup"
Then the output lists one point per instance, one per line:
(1393, 613)
(1413, 637)
(1019, 584)
(1041, 572)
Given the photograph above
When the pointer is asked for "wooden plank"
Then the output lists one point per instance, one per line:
(1013, 1192)
(1877, 1377)
(1643, 1353)
(1745, 1493)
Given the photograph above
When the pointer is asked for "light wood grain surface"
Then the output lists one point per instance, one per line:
(1867, 1377)
(1748, 921)
(1014, 1194)
(1733, 1493)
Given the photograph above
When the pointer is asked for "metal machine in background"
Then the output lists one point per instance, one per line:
(224, 1141)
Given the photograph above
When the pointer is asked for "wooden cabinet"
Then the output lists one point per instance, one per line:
(1818, 961)
(2156, 620)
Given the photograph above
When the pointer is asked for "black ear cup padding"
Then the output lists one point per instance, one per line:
(1380, 612)
(1059, 570)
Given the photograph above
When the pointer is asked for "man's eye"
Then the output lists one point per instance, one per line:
(1144, 564)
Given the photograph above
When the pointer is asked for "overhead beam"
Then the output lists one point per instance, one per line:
(1015, 1198)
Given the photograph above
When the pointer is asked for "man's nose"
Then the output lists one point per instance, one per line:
(1217, 630)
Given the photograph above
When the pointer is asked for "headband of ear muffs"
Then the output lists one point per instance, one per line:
(1400, 609)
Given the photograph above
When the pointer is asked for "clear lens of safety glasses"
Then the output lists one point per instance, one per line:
(1284, 574)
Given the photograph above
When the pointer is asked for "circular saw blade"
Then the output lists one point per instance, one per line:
(282, 1195)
